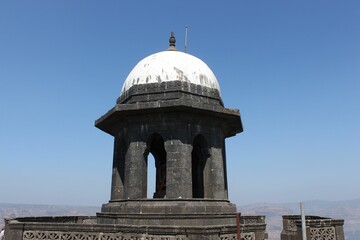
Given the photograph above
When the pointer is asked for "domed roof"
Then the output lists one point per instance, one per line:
(171, 65)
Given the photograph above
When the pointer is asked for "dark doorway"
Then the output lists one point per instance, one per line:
(155, 146)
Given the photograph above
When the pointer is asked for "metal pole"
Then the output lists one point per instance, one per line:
(303, 221)
(238, 215)
(186, 33)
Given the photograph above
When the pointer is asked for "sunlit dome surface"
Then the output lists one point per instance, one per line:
(169, 66)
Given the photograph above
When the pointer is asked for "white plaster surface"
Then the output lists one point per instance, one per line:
(171, 66)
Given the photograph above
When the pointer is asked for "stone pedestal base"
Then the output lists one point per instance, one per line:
(168, 212)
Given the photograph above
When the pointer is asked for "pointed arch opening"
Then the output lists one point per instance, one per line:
(199, 156)
(155, 146)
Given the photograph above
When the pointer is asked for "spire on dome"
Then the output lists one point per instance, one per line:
(172, 42)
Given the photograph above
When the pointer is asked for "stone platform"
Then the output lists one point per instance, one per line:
(87, 227)
(176, 212)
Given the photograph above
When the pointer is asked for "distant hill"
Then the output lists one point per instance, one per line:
(348, 210)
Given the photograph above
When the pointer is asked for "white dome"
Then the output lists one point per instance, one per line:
(169, 66)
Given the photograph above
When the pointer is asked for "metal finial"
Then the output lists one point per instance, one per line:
(172, 42)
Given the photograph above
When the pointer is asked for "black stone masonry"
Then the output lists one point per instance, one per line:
(184, 127)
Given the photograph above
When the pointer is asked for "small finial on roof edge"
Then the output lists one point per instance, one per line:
(172, 42)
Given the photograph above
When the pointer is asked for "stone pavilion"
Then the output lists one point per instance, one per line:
(170, 106)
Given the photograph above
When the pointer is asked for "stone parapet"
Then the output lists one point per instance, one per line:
(85, 227)
(316, 228)
(253, 228)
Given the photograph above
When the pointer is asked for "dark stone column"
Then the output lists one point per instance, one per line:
(217, 174)
(178, 174)
(118, 171)
(217, 178)
(208, 181)
(135, 171)
(223, 147)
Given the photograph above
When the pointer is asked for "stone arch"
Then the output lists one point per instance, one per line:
(199, 156)
(155, 146)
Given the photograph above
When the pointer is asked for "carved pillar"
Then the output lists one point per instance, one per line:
(178, 173)
(217, 188)
(135, 171)
(217, 183)
(118, 171)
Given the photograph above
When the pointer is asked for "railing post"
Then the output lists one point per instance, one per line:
(303, 221)
(238, 215)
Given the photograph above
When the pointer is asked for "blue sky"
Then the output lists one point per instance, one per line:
(291, 67)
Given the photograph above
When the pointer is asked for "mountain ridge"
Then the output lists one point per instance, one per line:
(349, 210)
